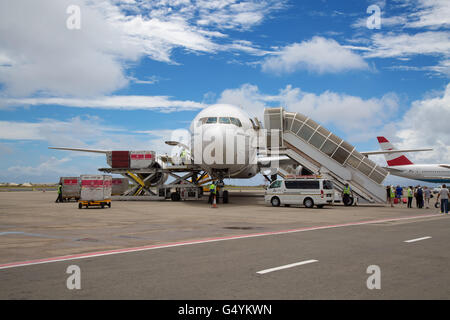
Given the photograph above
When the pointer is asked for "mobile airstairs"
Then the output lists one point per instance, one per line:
(323, 153)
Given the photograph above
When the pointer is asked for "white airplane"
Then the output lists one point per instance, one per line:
(400, 165)
(233, 153)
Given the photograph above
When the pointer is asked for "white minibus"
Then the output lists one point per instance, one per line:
(309, 192)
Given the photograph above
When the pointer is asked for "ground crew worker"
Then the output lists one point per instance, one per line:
(183, 156)
(212, 192)
(410, 196)
(392, 195)
(347, 193)
(59, 199)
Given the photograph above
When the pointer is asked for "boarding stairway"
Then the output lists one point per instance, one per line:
(323, 153)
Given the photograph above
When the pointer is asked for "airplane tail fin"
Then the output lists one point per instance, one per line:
(392, 159)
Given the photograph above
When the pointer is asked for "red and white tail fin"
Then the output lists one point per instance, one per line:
(392, 159)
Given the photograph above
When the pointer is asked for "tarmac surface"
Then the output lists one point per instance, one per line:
(241, 250)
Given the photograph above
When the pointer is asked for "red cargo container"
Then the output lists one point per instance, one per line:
(120, 159)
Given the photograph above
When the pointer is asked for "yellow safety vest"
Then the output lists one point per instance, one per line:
(212, 188)
(410, 193)
(59, 189)
(346, 190)
(392, 193)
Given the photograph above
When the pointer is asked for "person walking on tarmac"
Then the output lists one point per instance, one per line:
(212, 192)
(399, 194)
(59, 199)
(347, 195)
(444, 194)
(410, 196)
(426, 196)
(388, 194)
(392, 195)
(419, 197)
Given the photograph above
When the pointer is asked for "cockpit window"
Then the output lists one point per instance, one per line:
(224, 120)
(211, 120)
(236, 122)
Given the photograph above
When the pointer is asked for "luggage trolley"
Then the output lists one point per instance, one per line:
(88, 203)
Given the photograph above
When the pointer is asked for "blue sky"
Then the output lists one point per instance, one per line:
(136, 70)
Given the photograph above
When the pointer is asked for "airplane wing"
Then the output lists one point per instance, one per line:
(367, 153)
(444, 166)
(80, 150)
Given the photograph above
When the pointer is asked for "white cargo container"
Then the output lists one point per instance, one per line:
(70, 187)
(119, 186)
(95, 190)
(141, 159)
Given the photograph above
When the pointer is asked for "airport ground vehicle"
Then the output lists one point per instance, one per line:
(309, 191)
(95, 191)
(87, 203)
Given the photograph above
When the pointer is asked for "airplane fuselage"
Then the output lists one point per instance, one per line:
(434, 173)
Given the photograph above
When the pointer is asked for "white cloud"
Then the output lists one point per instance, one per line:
(385, 22)
(319, 55)
(87, 132)
(425, 124)
(51, 166)
(442, 68)
(40, 55)
(401, 45)
(84, 132)
(358, 118)
(235, 14)
(430, 14)
(110, 102)
(48, 57)
(416, 14)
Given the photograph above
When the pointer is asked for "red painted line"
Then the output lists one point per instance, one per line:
(206, 240)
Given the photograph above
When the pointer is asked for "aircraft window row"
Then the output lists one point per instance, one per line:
(302, 184)
(224, 120)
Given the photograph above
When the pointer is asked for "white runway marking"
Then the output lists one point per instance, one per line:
(286, 266)
(418, 239)
(200, 241)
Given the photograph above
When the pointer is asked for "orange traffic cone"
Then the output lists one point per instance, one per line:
(214, 204)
